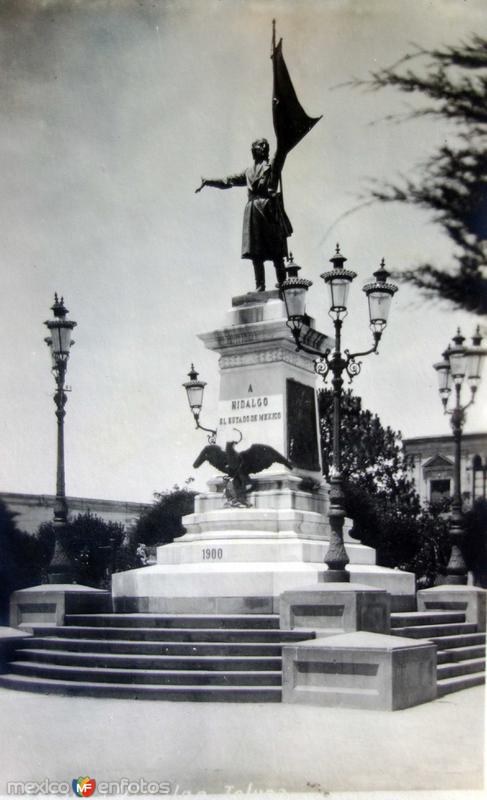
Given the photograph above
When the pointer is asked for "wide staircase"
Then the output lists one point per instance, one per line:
(236, 658)
(460, 647)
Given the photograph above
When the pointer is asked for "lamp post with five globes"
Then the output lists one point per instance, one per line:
(379, 293)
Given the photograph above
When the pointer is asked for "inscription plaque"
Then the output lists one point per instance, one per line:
(258, 410)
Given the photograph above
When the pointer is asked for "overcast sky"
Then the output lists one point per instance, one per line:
(110, 114)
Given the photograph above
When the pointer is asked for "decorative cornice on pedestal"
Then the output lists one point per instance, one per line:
(258, 333)
(256, 343)
(265, 357)
(249, 334)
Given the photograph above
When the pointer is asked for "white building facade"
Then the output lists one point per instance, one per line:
(34, 509)
(432, 464)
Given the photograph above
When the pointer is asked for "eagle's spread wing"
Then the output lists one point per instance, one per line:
(261, 456)
(214, 455)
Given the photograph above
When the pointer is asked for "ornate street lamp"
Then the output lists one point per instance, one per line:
(379, 294)
(459, 365)
(60, 341)
(195, 390)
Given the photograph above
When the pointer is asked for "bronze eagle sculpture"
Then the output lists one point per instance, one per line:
(238, 466)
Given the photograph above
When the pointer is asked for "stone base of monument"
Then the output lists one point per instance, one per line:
(450, 597)
(333, 608)
(360, 670)
(240, 560)
(235, 588)
(50, 603)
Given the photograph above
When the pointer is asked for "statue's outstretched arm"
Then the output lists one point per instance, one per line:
(223, 183)
(218, 183)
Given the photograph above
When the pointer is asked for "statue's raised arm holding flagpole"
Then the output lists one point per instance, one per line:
(266, 226)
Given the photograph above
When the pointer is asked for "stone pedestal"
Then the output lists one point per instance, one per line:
(332, 608)
(267, 388)
(360, 670)
(238, 560)
(49, 603)
(470, 599)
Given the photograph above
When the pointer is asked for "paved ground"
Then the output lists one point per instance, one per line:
(211, 746)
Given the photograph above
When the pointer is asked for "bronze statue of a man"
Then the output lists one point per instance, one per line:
(265, 224)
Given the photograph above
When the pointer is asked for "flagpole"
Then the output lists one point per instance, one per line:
(291, 123)
(274, 67)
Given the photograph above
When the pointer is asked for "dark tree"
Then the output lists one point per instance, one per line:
(372, 455)
(93, 547)
(36, 551)
(22, 558)
(432, 544)
(380, 498)
(475, 547)
(161, 523)
(452, 85)
(9, 565)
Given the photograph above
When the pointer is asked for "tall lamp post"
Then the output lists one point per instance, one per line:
(459, 362)
(335, 361)
(59, 342)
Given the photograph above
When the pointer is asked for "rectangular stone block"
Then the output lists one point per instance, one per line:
(50, 603)
(335, 608)
(360, 670)
(470, 599)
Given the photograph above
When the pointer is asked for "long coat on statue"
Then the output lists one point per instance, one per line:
(265, 223)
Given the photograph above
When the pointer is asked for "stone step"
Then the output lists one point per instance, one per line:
(220, 621)
(451, 670)
(149, 662)
(426, 618)
(460, 653)
(458, 641)
(449, 685)
(156, 677)
(141, 691)
(241, 635)
(156, 648)
(429, 631)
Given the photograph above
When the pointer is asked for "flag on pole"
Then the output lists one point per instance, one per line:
(291, 123)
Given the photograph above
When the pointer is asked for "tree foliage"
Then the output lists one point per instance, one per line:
(372, 455)
(161, 523)
(93, 547)
(8, 560)
(431, 544)
(452, 82)
(23, 558)
(380, 497)
(475, 548)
